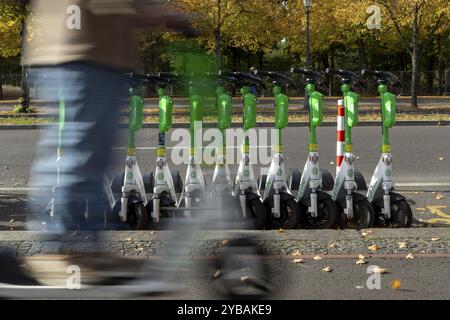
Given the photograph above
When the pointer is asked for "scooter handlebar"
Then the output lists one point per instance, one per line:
(310, 75)
(245, 78)
(275, 77)
(145, 79)
(382, 76)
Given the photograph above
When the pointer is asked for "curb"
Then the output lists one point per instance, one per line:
(260, 110)
(270, 235)
(287, 244)
(239, 125)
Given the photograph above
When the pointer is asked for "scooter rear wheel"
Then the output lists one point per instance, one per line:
(363, 215)
(328, 213)
(290, 215)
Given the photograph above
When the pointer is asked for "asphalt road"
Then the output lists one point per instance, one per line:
(418, 279)
(421, 278)
(421, 154)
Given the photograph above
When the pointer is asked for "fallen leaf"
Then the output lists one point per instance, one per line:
(11, 221)
(296, 253)
(217, 274)
(333, 245)
(361, 256)
(439, 197)
(225, 242)
(402, 245)
(421, 209)
(280, 231)
(373, 247)
(327, 269)
(317, 258)
(359, 287)
(152, 232)
(396, 284)
(410, 256)
(297, 261)
(435, 239)
(379, 270)
(366, 233)
(332, 163)
(245, 278)
(128, 239)
(361, 262)
(441, 158)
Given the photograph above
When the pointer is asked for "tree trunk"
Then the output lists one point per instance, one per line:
(361, 55)
(1, 88)
(441, 68)
(25, 91)
(261, 60)
(415, 60)
(218, 49)
(330, 78)
(430, 75)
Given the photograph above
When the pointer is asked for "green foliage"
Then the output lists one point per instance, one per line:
(11, 16)
(20, 108)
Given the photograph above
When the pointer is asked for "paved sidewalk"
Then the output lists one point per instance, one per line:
(378, 242)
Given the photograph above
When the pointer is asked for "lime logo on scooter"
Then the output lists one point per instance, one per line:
(315, 171)
(388, 172)
(350, 173)
(280, 172)
(246, 173)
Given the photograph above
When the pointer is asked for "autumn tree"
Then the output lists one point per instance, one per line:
(11, 20)
(416, 23)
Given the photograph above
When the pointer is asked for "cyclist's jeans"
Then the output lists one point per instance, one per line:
(92, 97)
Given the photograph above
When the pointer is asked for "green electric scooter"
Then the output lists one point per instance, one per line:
(319, 209)
(130, 184)
(356, 209)
(194, 191)
(391, 209)
(245, 186)
(164, 184)
(284, 211)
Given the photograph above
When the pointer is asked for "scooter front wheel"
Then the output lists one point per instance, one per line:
(258, 213)
(138, 218)
(401, 215)
(363, 215)
(290, 216)
(326, 218)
